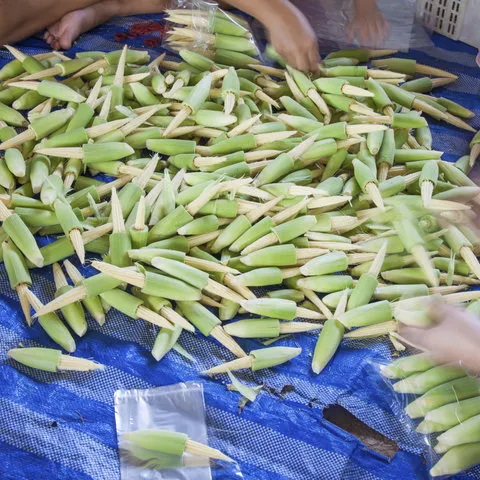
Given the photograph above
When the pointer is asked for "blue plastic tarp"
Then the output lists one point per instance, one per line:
(56, 426)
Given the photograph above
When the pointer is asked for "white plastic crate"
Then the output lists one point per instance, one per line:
(456, 19)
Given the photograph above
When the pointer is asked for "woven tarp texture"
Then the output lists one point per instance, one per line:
(62, 426)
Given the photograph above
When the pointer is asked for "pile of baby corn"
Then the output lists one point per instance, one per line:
(229, 175)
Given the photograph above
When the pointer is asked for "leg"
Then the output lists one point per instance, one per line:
(19, 19)
(62, 33)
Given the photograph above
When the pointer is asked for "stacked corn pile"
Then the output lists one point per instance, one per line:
(213, 33)
(448, 402)
(260, 176)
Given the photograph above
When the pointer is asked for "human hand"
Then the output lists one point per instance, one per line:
(293, 39)
(454, 337)
(368, 25)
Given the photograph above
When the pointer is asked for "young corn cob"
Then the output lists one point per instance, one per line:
(172, 443)
(91, 303)
(267, 328)
(457, 459)
(18, 276)
(52, 325)
(453, 391)
(50, 360)
(258, 360)
(133, 307)
(73, 313)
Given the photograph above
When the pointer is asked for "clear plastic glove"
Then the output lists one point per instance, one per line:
(293, 38)
(368, 26)
(455, 336)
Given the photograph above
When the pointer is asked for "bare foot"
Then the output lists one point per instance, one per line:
(62, 34)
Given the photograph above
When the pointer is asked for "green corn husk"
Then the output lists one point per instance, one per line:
(196, 60)
(454, 175)
(105, 152)
(143, 95)
(176, 243)
(11, 70)
(228, 310)
(21, 236)
(287, 231)
(271, 308)
(214, 119)
(15, 162)
(7, 132)
(467, 432)
(260, 277)
(58, 91)
(189, 194)
(453, 414)
(72, 138)
(165, 341)
(147, 254)
(199, 316)
(57, 331)
(420, 383)
(457, 459)
(7, 179)
(294, 108)
(407, 276)
(330, 263)
(455, 108)
(37, 218)
(200, 226)
(326, 283)
(272, 356)
(454, 391)
(366, 315)
(99, 284)
(122, 301)
(399, 292)
(73, 313)
(52, 189)
(327, 344)
(363, 291)
(11, 116)
(258, 230)
(138, 237)
(288, 294)
(276, 169)
(254, 328)
(347, 71)
(423, 136)
(170, 288)
(221, 208)
(139, 140)
(15, 265)
(46, 359)
(169, 225)
(119, 245)
(460, 267)
(276, 256)
(190, 275)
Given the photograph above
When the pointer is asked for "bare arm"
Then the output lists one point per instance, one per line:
(290, 32)
(454, 338)
(368, 25)
(21, 18)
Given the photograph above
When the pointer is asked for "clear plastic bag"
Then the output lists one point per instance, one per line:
(203, 27)
(176, 408)
(426, 417)
(333, 19)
